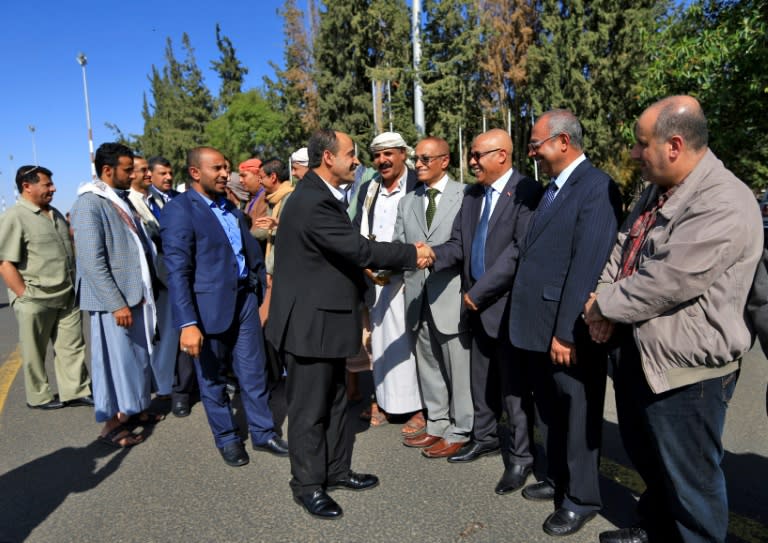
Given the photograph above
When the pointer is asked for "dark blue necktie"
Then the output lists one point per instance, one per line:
(477, 262)
(546, 201)
(153, 207)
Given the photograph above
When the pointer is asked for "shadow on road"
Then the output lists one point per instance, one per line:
(746, 478)
(35, 490)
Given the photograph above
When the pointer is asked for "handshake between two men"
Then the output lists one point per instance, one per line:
(425, 256)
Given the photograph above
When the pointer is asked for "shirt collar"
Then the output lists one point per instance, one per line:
(440, 185)
(566, 173)
(337, 194)
(501, 182)
(400, 183)
(23, 202)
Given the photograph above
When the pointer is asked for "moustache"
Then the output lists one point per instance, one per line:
(385, 165)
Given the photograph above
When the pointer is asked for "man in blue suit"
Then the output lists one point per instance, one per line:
(216, 280)
(568, 242)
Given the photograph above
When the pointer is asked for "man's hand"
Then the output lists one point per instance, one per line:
(123, 317)
(469, 304)
(266, 223)
(425, 256)
(562, 352)
(379, 279)
(191, 340)
(600, 328)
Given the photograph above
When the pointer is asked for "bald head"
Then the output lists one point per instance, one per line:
(681, 116)
(671, 137)
(491, 155)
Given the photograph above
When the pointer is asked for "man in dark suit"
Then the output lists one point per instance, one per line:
(315, 322)
(560, 260)
(486, 236)
(216, 279)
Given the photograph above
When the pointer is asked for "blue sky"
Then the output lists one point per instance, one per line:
(41, 82)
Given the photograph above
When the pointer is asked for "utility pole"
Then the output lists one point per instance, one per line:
(418, 103)
(82, 61)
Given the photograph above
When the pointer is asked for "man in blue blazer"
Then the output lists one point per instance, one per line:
(216, 280)
(568, 242)
(486, 236)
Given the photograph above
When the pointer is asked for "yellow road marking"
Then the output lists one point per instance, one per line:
(8, 371)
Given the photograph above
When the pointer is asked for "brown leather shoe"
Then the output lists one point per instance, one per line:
(421, 440)
(442, 449)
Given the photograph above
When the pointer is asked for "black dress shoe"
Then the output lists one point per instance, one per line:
(540, 492)
(276, 446)
(355, 481)
(180, 408)
(320, 505)
(472, 451)
(85, 401)
(513, 479)
(625, 535)
(53, 404)
(234, 454)
(565, 522)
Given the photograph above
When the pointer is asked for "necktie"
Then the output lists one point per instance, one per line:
(548, 198)
(477, 262)
(153, 207)
(431, 206)
(546, 201)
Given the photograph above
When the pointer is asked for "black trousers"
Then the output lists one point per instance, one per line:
(569, 400)
(320, 450)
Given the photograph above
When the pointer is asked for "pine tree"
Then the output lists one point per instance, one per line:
(231, 71)
(294, 92)
(181, 107)
(359, 40)
(449, 70)
(586, 59)
(509, 32)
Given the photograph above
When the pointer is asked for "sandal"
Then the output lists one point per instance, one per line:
(415, 425)
(378, 417)
(145, 418)
(120, 437)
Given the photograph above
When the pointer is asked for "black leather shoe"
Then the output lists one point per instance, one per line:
(320, 505)
(564, 522)
(356, 481)
(234, 454)
(540, 492)
(513, 479)
(625, 535)
(180, 408)
(276, 446)
(53, 404)
(472, 451)
(85, 401)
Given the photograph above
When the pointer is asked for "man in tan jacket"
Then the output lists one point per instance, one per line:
(672, 297)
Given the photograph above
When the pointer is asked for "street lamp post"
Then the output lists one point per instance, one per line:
(34, 146)
(82, 60)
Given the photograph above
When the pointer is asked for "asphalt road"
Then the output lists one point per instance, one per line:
(58, 485)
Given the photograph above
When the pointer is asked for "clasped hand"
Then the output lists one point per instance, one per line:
(425, 256)
(600, 328)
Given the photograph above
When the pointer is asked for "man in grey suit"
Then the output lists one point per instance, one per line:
(433, 309)
(114, 284)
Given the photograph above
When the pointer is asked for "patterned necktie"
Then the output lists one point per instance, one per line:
(546, 201)
(477, 262)
(432, 205)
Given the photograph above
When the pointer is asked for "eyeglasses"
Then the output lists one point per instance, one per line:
(426, 159)
(535, 145)
(477, 155)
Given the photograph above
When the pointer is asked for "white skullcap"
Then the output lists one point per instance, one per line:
(389, 140)
(300, 157)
